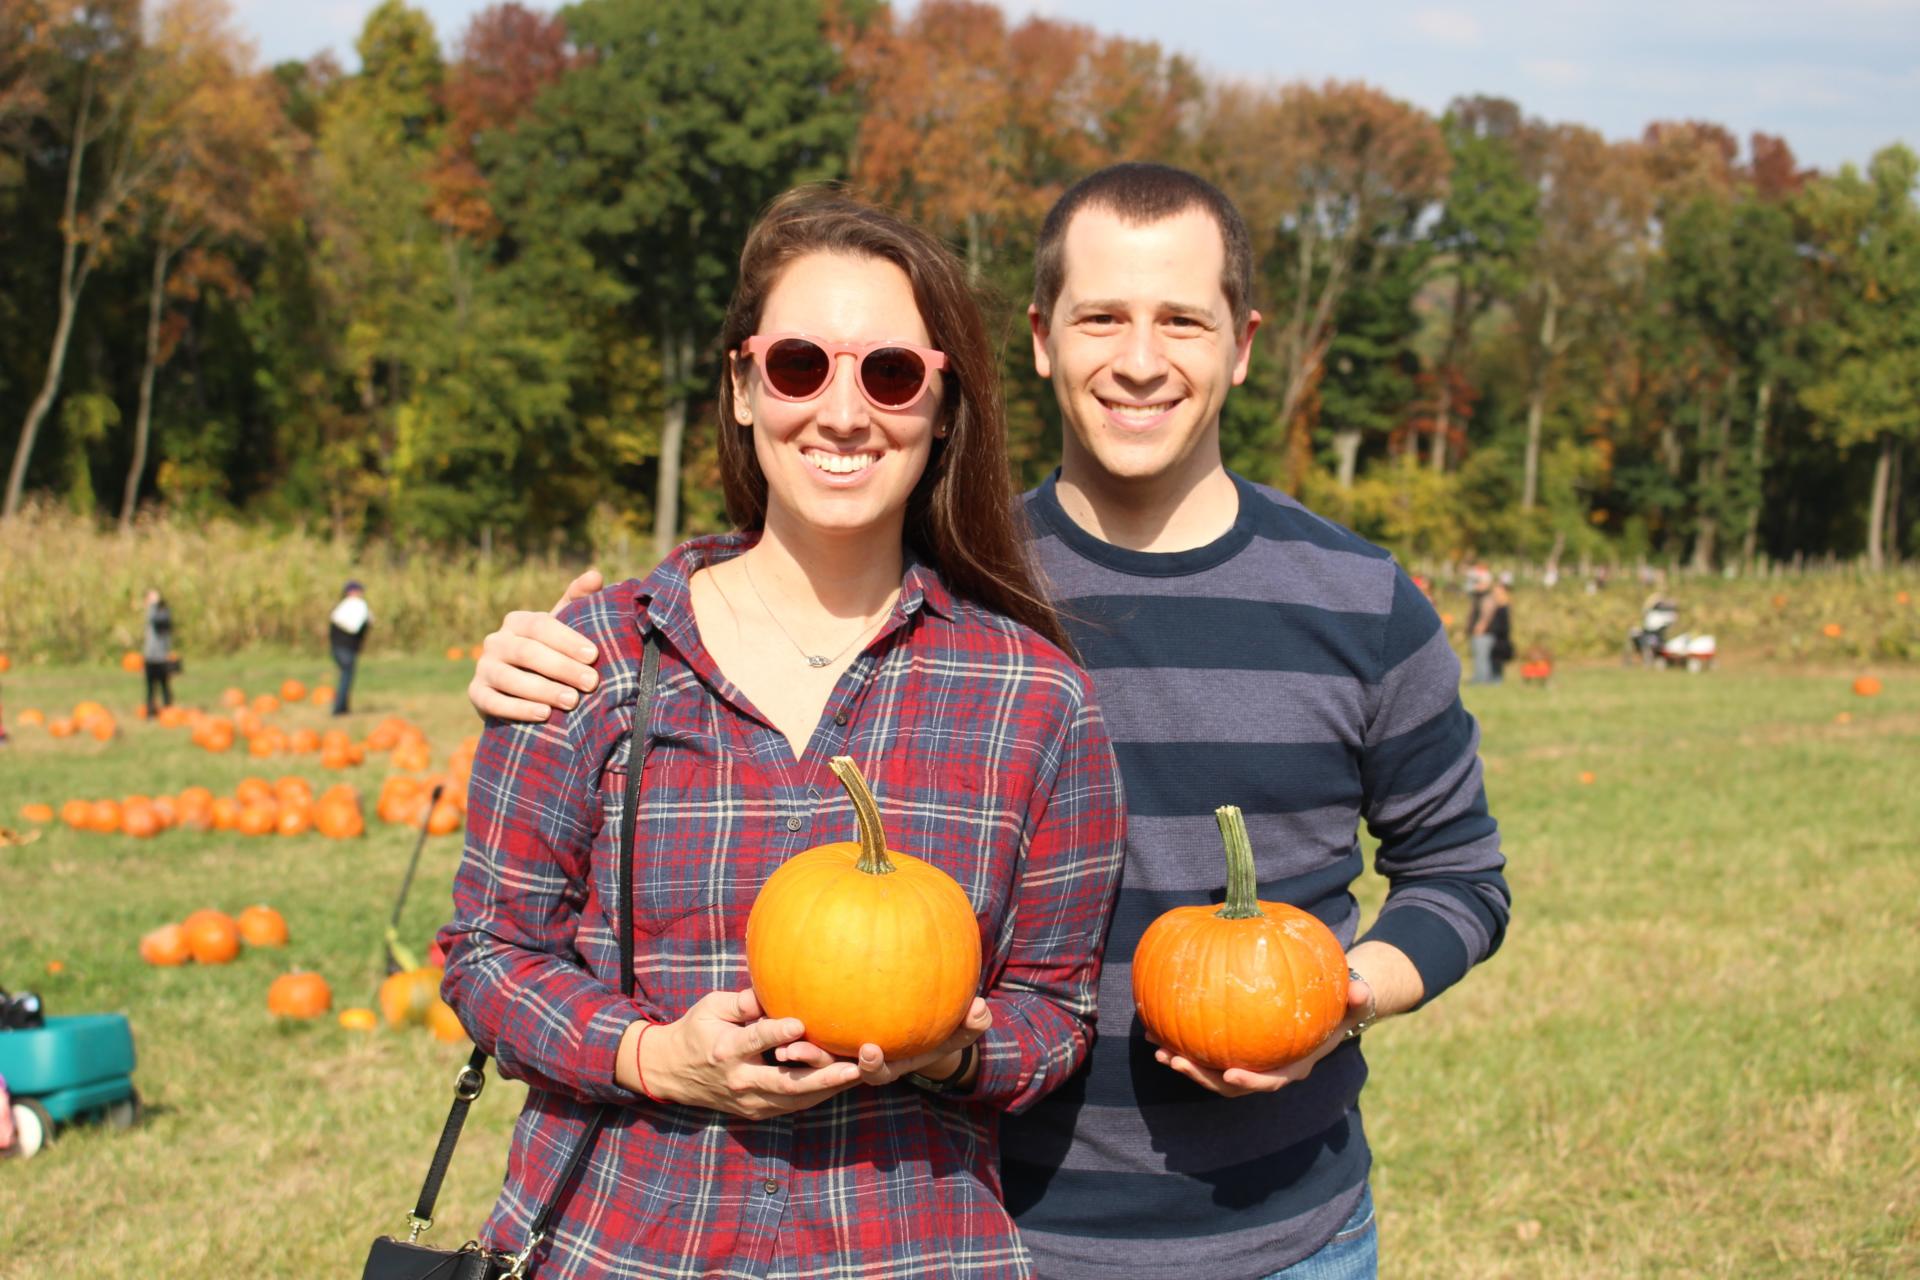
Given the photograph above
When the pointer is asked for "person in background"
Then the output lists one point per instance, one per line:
(1500, 626)
(156, 651)
(346, 633)
(1480, 623)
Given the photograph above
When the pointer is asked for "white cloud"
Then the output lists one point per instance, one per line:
(1448, 26)
(1557, 72)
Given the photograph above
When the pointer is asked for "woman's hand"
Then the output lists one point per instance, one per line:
(535, 663)
(939, 1062)
(715, 1057)
(1238, 1082)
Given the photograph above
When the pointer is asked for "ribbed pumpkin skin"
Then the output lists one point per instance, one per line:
(1250, 993)
(891, 960)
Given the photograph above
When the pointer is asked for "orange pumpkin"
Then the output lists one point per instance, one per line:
(295, 820)
(293, 691)
(212, 937)
(253, 791)
(903, 964)
(103, 816)
(304, 742)
(6, 664)
(139, 821)
(405, 998)
(445, 819)
(225, 814)
(443, 1023)
(1900, 597)
(166, 945)
(132, 663)
(413, 755)
(359, 1019)
(265, 705)
(338, 816)
(60, 727)
(262, 926)
(1832, 631)
(1779, 602)
(40, 813)
(455, 653)
(76, 813)
(33, 716)
(322, 695)
(299, 995)
(1867, 686)
(257, 820)
(1248, 984)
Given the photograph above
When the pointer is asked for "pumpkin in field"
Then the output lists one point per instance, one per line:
(257, 820)
(262, 926)
(359, 1019)
(264, 705)
(444, 819)
(166, 945)
(1248, 984)
(1779, 602)
(40, 813)
(299, 995)
(903, 963)
(1833, 631)
(1867, 686)
(234, 697)
(295, 820)
(102, 729)
(304, 742)
(140, 821)
(455, 653)
(132, 663)
(6, 664)
(212, 937)
(1900, 597)
(293, 691)
(225, 814)
(33, 716)
(405, 998)
(75, 813)
(103, 816)
(413, 755)
(337, 816)
(322, 695)
(443, 1024)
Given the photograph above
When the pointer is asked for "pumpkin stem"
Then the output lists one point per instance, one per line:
(873, 839)
(1243, 891)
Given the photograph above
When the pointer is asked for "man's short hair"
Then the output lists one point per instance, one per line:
(1141, 193)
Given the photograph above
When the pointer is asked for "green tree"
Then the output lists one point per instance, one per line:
(1865, 232)
(653, 157)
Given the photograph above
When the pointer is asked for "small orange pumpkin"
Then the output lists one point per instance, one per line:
(33, 716)
(37, 813)
(455, 653)
(1833, 631)
(166, 945)
(1248, 984)
(140, 822)
(293, 691)
(76, 814)
(60, 727)
(262, 926)
(212, 937)
(406, 997)
(322, 695)
(299, 995)
(443, 1023)
(903, 962)
(1867, 686)
(132, 663)
(359, 1019)
(6, 664)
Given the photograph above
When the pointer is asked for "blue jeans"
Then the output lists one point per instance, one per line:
(1484, 672)
(345, 660)
(1352, 1254)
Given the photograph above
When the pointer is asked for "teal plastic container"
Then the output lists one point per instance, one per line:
(73, 1065)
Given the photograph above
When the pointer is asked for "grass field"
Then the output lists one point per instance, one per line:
(1698, 1053)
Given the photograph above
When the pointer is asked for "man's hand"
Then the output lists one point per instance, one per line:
(1237, 1082)
(535, 663)
(715, 1057)
(939, 1062)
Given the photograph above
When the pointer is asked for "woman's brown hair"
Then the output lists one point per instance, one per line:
(963, 517)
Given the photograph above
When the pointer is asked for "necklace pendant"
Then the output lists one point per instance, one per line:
(815, 660)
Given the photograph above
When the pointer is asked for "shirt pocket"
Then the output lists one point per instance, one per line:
(685, 793)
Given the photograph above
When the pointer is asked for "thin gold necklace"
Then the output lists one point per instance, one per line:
(813, 659)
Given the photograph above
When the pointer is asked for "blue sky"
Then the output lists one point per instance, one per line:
(1837, 78)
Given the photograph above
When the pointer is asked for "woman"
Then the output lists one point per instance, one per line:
(156, 651)
(861, 433)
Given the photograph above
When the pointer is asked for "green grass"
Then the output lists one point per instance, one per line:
(1696, 1054)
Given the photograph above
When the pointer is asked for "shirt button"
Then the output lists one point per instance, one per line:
(793, 823)
(771, 1187)
(840, 718)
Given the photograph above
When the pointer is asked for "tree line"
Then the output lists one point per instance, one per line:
(471, 293)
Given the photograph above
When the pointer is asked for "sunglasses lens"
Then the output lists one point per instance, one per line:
(893, 376)
(795, 367)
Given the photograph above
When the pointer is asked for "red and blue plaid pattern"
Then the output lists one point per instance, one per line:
(987, 757)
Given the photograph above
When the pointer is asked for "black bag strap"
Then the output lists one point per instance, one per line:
(472, 1078)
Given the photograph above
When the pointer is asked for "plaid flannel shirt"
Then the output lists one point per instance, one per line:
(987, 757)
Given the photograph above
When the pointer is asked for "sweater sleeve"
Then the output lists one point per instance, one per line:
(1042, 997)
(514, 974)
(1447, 900)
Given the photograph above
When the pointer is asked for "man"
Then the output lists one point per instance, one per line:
(1246, 652)
(346, 633)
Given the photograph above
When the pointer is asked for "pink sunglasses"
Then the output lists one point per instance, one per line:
(891, 375)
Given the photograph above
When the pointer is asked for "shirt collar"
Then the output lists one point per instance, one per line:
(666, 601)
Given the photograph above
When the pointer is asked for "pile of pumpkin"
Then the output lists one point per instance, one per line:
(409, 998)
(257, 807)
(213, 937)
(88, 717)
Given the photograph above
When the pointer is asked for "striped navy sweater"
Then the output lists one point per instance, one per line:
(1292, 669)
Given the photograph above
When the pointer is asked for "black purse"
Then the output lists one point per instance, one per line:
(391, 1259)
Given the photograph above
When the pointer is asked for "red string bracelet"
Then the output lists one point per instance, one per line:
(639, 1072)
